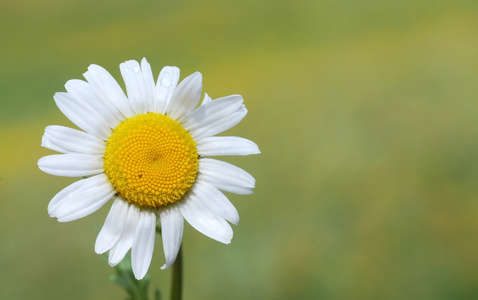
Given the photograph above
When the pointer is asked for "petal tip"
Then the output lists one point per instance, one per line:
(139, 274)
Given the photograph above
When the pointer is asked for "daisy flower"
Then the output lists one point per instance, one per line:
(147, 152)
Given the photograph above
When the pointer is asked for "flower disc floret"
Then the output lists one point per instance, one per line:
(151, 160)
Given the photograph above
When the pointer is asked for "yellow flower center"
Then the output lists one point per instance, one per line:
(151, 160)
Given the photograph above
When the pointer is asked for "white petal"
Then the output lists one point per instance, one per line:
(82, 91)
(64, 139)
(172, 225)
(71, 164)
(215, 110)
(138, 87)
(201, 218)
(82, 115)
(226, 145)
(226, 186)
(78, 186)
(111, 231)
(149, 81)
(206, 99)
(225, 176)
(220, 125)
(108, 91)
(125, 242)
(216, 201)
(143, 244)
(185, 97)
(45, 142)
(165, 87)
(81, 198)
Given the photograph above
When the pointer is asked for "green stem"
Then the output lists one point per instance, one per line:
(177, 283)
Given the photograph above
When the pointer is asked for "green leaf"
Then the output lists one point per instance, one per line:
(124, 277)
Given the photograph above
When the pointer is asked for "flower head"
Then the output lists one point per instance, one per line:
(147, 152)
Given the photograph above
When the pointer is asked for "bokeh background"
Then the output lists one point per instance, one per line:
(365, 111)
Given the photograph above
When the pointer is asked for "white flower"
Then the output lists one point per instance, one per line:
(146, 152)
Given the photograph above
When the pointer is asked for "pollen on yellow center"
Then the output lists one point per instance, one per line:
(151, 160)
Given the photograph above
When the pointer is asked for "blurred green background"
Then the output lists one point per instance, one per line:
(365, 111)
